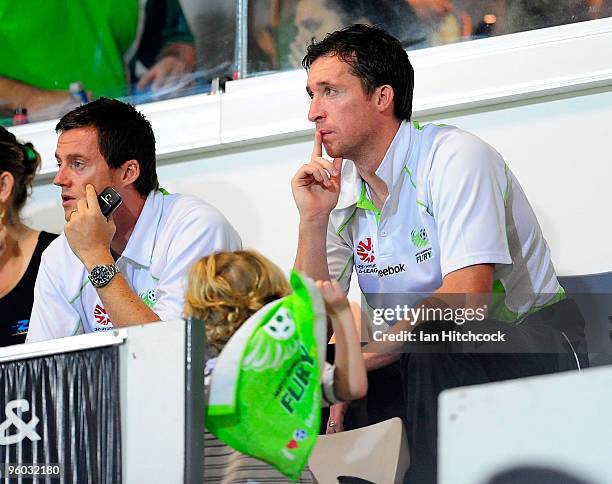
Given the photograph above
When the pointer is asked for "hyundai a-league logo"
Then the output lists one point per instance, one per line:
(365, 250)
(101, 316)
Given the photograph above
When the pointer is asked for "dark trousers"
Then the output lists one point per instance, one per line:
(543, 343)
(385, 399)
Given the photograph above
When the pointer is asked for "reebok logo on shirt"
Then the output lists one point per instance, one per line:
(389, 271)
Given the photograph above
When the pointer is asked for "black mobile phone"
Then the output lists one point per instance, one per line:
(109, 200)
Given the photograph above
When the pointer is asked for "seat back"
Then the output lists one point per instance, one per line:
(377, 453)
(593, 295)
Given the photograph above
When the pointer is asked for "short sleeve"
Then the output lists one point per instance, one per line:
(468, 184)
(339, 258)
(328, 393)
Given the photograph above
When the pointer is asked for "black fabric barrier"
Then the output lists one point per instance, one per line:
(61, 412)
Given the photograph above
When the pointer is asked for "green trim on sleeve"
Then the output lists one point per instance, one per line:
(499, 311)
(348, 220)
(497, 308)
(349, 263)
(87, 281)
(508, 184)
(76, 328)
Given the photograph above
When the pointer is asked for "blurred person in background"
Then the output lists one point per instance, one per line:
(315, 18)
(599, 8)
(500, 17)
(280, 29)
(46, 46)
(537, 14)
(445, 21)
(20, 245)
(449, 21)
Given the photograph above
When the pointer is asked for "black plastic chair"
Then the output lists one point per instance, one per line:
(593, 295)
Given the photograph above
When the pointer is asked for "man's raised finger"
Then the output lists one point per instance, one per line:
(317, 149)
(91, 196)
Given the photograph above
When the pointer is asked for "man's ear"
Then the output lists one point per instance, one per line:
(384, 97)
(7, 183)
(130, 171)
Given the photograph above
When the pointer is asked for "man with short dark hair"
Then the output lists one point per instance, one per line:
(414, 210)
(130, 268)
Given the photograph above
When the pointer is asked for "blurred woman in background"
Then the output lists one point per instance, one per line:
(20, 245)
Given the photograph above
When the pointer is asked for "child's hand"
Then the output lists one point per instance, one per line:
(334, 297)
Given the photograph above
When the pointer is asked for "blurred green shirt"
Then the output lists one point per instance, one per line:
(49, 44)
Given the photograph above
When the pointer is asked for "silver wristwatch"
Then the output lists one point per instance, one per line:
(100, 276)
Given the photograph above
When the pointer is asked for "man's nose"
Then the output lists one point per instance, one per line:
(60, 178)
(316, 111)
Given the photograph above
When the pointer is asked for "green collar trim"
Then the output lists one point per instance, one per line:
(366, 204)
(163, 191)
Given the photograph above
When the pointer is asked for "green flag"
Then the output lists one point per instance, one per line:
(265, 392)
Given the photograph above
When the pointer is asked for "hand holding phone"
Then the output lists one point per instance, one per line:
(109, 200)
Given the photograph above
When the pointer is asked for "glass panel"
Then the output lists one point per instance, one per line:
(213, 23)
(149, 50)
(57, 54)
(280, 30)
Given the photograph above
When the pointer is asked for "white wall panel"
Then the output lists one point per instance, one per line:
(559, 422)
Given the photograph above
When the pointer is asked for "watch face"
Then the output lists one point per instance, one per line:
(101, 275)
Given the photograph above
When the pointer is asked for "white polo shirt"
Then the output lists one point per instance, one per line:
(452, 203)
(172, 232)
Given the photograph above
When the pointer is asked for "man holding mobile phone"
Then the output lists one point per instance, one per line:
(129, 268)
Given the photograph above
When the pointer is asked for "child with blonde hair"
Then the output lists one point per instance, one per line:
(224, 290)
